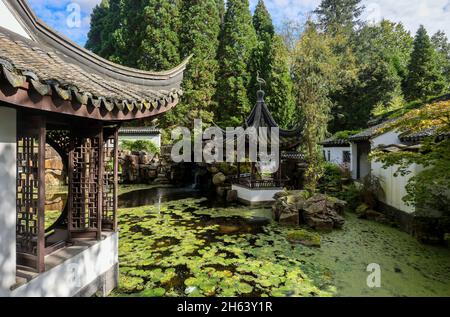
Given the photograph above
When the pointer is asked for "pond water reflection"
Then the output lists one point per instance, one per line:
(146, 197)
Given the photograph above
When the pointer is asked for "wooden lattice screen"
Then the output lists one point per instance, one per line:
(85, 187)
(30, 225)
(110, 180)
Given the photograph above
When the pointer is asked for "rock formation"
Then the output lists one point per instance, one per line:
(320, 212)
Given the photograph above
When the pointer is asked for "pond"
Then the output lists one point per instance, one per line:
(189, 246)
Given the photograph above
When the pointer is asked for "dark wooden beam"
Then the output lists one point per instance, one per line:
(29, 99)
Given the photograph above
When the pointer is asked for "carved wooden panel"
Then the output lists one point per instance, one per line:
(110, 183)
(27, 194)
(85, 188)
(30, 227)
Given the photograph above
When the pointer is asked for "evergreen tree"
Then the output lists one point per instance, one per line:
(159, 48)
(442, 46)
(263, 22)
(280, 97)
(200, 37)
(98, 20)
(133, 31)
(105, 34)
(334, 15)
(238, 40)
(425, 77)
(382, 52)
(221, 10)
(261, 59)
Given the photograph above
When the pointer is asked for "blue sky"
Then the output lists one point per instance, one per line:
(434, 14)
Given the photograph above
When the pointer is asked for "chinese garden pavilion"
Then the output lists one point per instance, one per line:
(57, 93)
(254, 187)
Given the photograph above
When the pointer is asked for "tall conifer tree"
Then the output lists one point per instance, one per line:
(199, 34)
(425, 78)
(238, 40)
(442, 46)
(280, 97)
(261, 59)
(104, 37)
(335, 15)
(160, 45)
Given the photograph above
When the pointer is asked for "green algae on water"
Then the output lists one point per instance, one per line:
(182, 248)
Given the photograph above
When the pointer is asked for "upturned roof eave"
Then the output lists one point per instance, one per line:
(44, 35)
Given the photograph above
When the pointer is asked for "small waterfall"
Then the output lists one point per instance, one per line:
(196, 184)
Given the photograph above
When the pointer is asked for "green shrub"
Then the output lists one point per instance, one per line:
(140, 146)
(331, 181)
(352, 195)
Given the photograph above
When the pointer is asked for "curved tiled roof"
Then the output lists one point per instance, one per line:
(422, 135)
(51, 65)
(335, 142)
(370, 132)
(139, 131)
(260, 117)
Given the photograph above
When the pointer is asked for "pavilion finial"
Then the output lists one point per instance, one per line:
(260, 93)
(260, 80)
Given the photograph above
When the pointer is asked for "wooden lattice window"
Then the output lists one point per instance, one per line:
(85, 188)
(30, 222)
(110, 184)
(347, 156)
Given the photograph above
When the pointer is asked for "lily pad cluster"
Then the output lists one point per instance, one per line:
(181, 249)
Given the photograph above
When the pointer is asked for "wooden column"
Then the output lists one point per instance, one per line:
(100, 176)
(41, 209)
(116, 176)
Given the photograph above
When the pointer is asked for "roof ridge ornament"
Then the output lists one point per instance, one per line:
(261, 82)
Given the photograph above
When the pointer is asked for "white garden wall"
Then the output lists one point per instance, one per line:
(7, 199)
(336, 154)
(76, 273)
(255, 196)
(394, 187)
(388, 138)
(156, 139)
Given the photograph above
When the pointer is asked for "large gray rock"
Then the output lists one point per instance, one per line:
(232, 196)
(320, 212)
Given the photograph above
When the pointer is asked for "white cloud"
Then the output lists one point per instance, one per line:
(434, 14)
(55, 14)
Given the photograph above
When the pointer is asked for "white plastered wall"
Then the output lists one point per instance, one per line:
(394, 188)
(72, 276)
(9, 21)
(7, 199)
(256, 195)
(336, 154)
